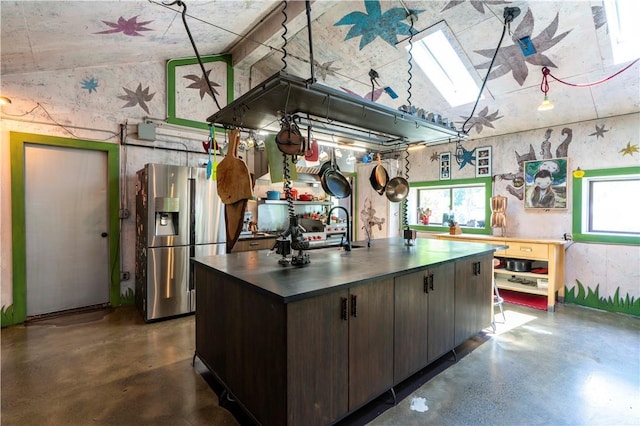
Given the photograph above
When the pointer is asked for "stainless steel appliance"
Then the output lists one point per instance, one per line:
(178, 216)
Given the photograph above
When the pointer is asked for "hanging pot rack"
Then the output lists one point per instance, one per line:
(262, 107)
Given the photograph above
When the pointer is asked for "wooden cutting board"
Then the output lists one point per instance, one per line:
(234, 180)
(234, 218)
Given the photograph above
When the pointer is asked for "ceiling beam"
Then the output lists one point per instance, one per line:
(258, 42)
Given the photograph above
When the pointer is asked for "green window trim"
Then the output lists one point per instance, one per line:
(488, 188)
(578, 188)
(172, 64)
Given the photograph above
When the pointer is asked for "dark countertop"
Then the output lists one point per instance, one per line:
(331, 268)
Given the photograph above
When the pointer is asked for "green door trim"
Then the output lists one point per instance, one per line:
(18, 312)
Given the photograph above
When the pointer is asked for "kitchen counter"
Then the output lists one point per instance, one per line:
(333, 267)
(310, 345)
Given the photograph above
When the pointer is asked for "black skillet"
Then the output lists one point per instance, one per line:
(333, 182)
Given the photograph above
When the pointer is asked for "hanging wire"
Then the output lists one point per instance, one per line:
(546, 72)
(405, 203)
(486, 77)
(195, 49)
(284, 35)
(411, 17)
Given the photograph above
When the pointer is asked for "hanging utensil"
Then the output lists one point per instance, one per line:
(333, 182)
(289, 139)
(397, 189)
(379, 177)
(209, 147)
(234, 189)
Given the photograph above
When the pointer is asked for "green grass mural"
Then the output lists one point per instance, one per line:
(127, 298)
(587, 297)
(6, 315)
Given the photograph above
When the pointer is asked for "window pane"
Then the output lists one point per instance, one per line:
(614, 206)
(433, 204)
(469, 206)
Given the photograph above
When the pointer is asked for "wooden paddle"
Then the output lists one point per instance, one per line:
(234, 180)
(234, 189)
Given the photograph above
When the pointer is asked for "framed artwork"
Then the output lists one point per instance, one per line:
(189, 101)
(445, 166)
(545, 184)
(483, 162)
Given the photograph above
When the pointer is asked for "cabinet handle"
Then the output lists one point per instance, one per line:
(527, 249)
(343, 300)
(426, 284)
(354, 305)
(254, 244)
(476, 268)
(431, 282)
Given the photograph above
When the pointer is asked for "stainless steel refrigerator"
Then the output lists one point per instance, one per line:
(178, 216)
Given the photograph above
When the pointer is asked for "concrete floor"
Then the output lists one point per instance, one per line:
(576, 366)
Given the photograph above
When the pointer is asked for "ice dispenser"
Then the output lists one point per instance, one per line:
(167, 216)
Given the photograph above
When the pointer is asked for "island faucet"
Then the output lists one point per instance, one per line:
(346, 245)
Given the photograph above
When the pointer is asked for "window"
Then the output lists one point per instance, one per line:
(624, 32)
(465, 201)
(439, 55)
(606, 206)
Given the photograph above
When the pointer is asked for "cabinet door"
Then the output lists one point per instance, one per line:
(441, 288)
(411, 323)
(473, 301)
(317, 351)
(370, 341)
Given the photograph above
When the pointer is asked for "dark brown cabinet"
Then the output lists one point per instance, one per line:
(441, 311)
(318, 344)
(340, 349)
(370, 341)
(423, 321)
(314, 358)
(473, 296)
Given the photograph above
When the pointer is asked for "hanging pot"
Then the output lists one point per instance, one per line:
(379, 177)
(333, 182)
(289, 139)
(397, 189)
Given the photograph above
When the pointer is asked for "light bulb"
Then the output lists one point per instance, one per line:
(546, 104)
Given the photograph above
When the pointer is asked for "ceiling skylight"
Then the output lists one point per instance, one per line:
(624, 31)
(441, 58)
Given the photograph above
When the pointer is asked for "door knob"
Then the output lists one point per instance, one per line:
(104, 235)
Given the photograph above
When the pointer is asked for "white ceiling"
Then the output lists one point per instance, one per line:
(571, 37)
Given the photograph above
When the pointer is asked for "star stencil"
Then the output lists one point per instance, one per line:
(510, 58)
(128, 27)
(435, 157)
(90, 84)
(629, 149)
(139, 97)
(466, 157)
(483, 119)
(374, 23)
(323, 70)
(371, 96)
(600, 131)
(200, 83)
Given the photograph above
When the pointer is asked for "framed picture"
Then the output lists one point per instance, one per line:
(545, 184)
(445, 166)
(483, 162)
(189, 101)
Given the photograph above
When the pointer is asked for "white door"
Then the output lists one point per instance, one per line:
(66, 210)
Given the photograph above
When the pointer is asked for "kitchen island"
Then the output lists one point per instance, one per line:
(310, 345)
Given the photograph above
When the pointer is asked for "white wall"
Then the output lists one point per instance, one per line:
(604, 266)
(98, 116)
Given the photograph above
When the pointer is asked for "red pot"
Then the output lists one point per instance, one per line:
(305, 197)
